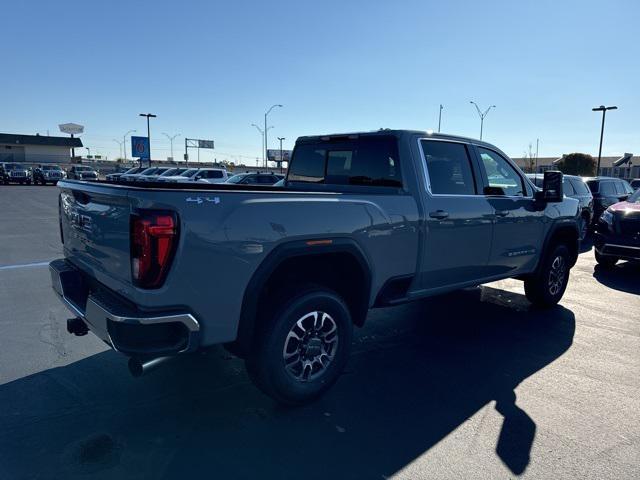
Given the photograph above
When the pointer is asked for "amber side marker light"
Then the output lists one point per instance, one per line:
(313, 243)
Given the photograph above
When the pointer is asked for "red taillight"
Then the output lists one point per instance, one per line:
(153, 240)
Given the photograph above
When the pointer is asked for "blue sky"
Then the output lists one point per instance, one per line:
(210, 69)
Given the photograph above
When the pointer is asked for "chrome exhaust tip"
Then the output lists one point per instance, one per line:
(139, 367)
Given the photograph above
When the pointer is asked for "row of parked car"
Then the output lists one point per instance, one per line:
(187, 175)
(11, 172)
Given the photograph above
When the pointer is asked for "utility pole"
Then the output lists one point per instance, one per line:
(171, 137)
(148, 115)
(266, 143)
(602, 109)
(440, 117)
(281, 139)
(481, 115)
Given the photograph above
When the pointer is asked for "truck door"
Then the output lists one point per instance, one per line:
(518, 229)
(459, 219)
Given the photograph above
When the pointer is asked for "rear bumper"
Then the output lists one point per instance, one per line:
(616, 247)
(119, 324)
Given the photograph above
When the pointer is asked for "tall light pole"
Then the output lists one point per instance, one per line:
(120, 143)
(88, 151)
(148, 115)
(124, 142)
(481, 114)
(602, 109)
(440, 117)
(263, 142)
(171, 137)
(281, 139)
(266, 143)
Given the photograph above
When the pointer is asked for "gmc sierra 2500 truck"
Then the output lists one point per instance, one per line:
(282, 274)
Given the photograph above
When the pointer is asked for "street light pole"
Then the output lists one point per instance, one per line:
(124, 143)
(148, 115)
(171, 137)
(266, 144)
(88, 151)
(440, 117)
(119, 146)
(481, 115)
(602, 109)
(262, 134)
(281, 139)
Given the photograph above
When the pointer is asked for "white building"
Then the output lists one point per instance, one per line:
(33, 149)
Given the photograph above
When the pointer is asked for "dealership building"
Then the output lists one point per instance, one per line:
(33, 149)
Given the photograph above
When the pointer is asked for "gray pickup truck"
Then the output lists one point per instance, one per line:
(281, 274)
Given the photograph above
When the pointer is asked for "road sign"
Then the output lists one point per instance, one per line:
(273, 155)
(140, 147)
(205, 144)
(71, 128)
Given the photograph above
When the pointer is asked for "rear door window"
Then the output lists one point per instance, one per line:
(607, 188)
(449, 168)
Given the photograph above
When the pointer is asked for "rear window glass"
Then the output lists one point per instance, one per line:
(579, 186)
(369, 161)
(593, 186)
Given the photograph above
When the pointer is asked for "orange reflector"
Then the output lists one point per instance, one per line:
(313, 243)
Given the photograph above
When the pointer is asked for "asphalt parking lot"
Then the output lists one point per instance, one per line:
(475, 384)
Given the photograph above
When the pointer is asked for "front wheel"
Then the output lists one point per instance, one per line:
(302, 347)
(546, 287)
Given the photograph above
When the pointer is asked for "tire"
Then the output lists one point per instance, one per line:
(546, 287)
(325, 318)
(606, 260)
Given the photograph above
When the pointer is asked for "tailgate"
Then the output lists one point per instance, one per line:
(94, 220)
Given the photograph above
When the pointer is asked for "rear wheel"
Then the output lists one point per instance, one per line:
(606, 260)
(302, 346)
(547, 286)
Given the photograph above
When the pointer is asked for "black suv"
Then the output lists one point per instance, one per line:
(574, 187)
(44, 174)
(606, 192)
(82, 172)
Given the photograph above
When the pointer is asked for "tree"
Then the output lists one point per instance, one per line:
(529, 160)
(577, 164)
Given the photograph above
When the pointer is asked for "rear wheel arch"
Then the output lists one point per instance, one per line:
(340, 265)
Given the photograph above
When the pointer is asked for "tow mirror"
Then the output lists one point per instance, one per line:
(551, 187)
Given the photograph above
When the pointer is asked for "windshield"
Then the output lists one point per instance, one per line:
(172, 171)
(83, 169)
(635, 197)
(13, 166)
(51, 167)
(148, 171)
(132, 170)
(236, 178)
(189, 172)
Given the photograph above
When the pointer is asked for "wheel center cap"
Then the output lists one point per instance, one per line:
(314, 347)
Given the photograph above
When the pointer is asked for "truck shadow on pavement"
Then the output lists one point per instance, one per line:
(417, 373)
(624, 276)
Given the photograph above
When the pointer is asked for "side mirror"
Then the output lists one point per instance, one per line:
(551, 187)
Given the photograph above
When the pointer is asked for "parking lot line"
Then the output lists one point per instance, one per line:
(24, 265)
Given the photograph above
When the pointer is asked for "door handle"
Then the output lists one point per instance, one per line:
(502, 213)
(439, 214)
